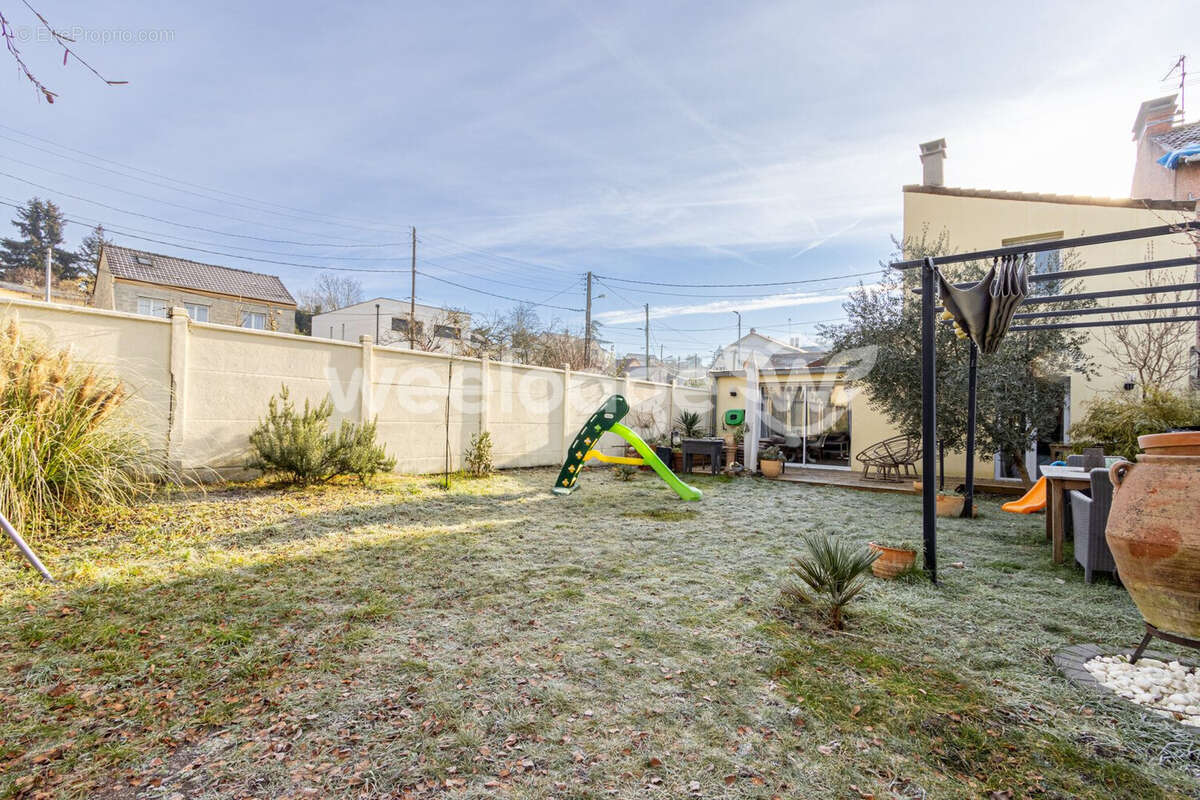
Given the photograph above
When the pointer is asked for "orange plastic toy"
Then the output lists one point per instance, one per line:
(1034, 500)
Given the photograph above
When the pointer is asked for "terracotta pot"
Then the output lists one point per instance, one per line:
(1153, 533)
(771, 469)
(951, 505)
(1184, 443)
(892, 561)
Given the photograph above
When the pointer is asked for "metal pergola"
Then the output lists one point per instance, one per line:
(929, 309)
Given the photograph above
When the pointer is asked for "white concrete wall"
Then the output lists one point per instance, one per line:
(349, 323)
(200, 389)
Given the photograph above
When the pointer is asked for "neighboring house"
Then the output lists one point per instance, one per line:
(1162, 136)
(139, 282)
(386, 321)
(766, 352)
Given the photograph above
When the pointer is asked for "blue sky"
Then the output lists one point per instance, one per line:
(529, 142)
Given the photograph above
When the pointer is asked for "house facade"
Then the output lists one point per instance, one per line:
(813, 401)
(806, 404)
(1161, 136)
(386, 321)
(140, 282)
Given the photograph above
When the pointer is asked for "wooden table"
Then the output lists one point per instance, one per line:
(1059, 481)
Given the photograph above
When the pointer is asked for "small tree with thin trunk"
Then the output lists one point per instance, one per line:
(1020, 385)
(1156, 355)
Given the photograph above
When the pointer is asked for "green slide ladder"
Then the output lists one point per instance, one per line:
(608, 418)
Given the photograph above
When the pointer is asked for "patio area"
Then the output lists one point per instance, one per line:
(399, 640)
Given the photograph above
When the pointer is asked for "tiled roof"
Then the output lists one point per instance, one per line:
(1037, 197)
(1178, 138)
(138, 265)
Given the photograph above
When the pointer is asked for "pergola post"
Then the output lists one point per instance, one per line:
(972, 387)
(929, 418)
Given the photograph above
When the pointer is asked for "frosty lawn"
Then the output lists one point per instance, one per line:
(398, 640)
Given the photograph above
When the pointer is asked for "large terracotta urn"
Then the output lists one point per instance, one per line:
(1154, 530)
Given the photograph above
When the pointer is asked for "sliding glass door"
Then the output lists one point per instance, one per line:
(811, 424)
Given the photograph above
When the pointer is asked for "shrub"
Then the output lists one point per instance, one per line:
(479, 455)
(771, 454)
(61, 448)
(690, 424)
(1115, 422)
(833, 572)
(300, 446)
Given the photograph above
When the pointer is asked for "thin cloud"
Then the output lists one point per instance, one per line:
(784, 300)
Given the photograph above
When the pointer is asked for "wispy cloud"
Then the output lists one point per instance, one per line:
(813, 245)
(744, 305)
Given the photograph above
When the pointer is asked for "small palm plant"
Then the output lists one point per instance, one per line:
(834, 571)
(690, 424)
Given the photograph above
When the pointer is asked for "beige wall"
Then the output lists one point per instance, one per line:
(199, 389)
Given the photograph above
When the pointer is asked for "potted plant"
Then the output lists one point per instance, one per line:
(770, 461)
(690, 424)
(951, 505)
(895, 557)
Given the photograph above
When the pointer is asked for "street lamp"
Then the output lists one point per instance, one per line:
(737, 346)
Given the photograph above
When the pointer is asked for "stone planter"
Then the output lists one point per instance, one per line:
(892, 560)
(771, 469)
(1153, 530)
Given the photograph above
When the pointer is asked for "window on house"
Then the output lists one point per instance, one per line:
(447, 332)
(256, 320)
(197, 311)
(1043, 262)
(152, 307)
(400, 325)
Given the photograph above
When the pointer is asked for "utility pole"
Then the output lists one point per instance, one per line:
(377, 323)
(49, 260)
(412, 296)
(647, 341)
(587, 325)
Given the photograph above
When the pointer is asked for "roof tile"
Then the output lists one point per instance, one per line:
(139, 265)
(1180, 137)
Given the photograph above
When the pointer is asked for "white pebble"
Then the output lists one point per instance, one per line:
(1168, 689)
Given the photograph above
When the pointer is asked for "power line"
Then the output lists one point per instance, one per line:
(500, 296)
(310, 216)
(157, 200)
(176, 180)
(505, 282)
(709, 295)
(500, 256)
(741, 285)
(125, 230)
(194, 227)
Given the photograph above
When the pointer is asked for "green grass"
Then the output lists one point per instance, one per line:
(497, 640)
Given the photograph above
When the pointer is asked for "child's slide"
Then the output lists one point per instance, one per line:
(1034, 500)
(607, 418)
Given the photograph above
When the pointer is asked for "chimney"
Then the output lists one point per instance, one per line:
(932, 155)
(1154, 116)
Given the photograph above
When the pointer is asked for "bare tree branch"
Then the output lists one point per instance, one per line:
(64, 41)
